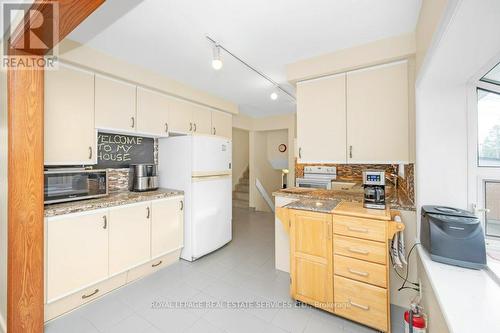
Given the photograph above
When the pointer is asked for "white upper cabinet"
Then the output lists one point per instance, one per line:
(70, 136)
(180, 116)
(166, 226)
(377, 114)
(77, 252)
(129, 236)
(152, 112)
(222, 124)
(115, 104)
(202, 120)
(321, 120)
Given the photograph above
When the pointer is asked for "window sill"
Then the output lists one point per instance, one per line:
(466, 296)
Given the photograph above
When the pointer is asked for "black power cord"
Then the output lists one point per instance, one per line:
(408, 270)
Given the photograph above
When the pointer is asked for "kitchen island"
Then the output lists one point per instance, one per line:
(338, 257)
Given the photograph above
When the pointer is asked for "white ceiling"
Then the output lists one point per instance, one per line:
(168, 36)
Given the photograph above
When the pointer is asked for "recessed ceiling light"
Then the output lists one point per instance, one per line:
(274, 96)
(216, 61)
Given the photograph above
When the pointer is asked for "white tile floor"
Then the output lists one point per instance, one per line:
(241, 271)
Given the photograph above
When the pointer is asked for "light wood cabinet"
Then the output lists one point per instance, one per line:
(311, 258)
(129, 236)
(321, 120)
(202, 120)
(70, 136)
(377, 114)
(166, 226)
(364, 303)
(115, 104)
(152, 112)
(77, 252)
(348, 269)
(222, 124)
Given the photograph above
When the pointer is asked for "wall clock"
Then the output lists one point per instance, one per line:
(282, 148)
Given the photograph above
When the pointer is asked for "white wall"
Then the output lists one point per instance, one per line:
(3, 199)
(278, 159)
(240, 153)
(448, 59)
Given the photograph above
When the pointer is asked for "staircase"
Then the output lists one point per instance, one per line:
(240, 194)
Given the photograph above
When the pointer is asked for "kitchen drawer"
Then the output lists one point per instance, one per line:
(361, 302)
(152, 266)
(360, 270)
(360, 249)
(361, 228)
(86, 295)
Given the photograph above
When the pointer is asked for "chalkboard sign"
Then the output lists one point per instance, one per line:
(119, 151)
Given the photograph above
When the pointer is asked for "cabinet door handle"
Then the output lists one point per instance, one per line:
(182, 204)
(105, 225)
(300, 152)
(149, 212)
(215, 131)
(91, 294)
(194, 126)
(166, 127)
(90, 153)
(361, 306)
(354, 250)
(190, 127)
(355, 229)
(353, 271)
(132, 120)
(157, 264)
(350, 151)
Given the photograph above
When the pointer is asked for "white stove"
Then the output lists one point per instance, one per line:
(317, 177)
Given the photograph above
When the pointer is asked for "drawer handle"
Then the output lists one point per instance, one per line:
(354, 250)
(361, 306)
(182, 204)
(194, 127)
(157, 264)
(90, 153)
(132, 120)
(353, 271)
(105, 218)
(363, 230)
(149, 212)
(166, 127)
(91, 294)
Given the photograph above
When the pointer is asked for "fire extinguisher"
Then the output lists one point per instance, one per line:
(415, 319)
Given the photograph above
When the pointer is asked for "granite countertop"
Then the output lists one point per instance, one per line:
(113, 199)
(314, 205)
(396, 201)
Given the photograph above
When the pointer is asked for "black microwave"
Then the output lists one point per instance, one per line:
(69, 184)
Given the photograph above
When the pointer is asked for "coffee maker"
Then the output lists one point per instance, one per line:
(143, 177)
(374, 187)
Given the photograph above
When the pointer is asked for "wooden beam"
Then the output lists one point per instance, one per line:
(70, 14)
(25, 201)
(25, 276)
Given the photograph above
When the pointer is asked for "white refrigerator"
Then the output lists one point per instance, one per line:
(201, 167)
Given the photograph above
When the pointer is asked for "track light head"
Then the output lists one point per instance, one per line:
(216, 60)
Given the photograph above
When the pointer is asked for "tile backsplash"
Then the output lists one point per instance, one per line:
(118, 180)
(354, 172)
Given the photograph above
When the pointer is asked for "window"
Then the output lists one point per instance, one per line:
(492, 204)
(484, 153)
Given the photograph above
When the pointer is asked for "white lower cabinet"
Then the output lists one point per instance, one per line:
(92, 253)
(129, 236)
(77, 252)
(166, 226)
